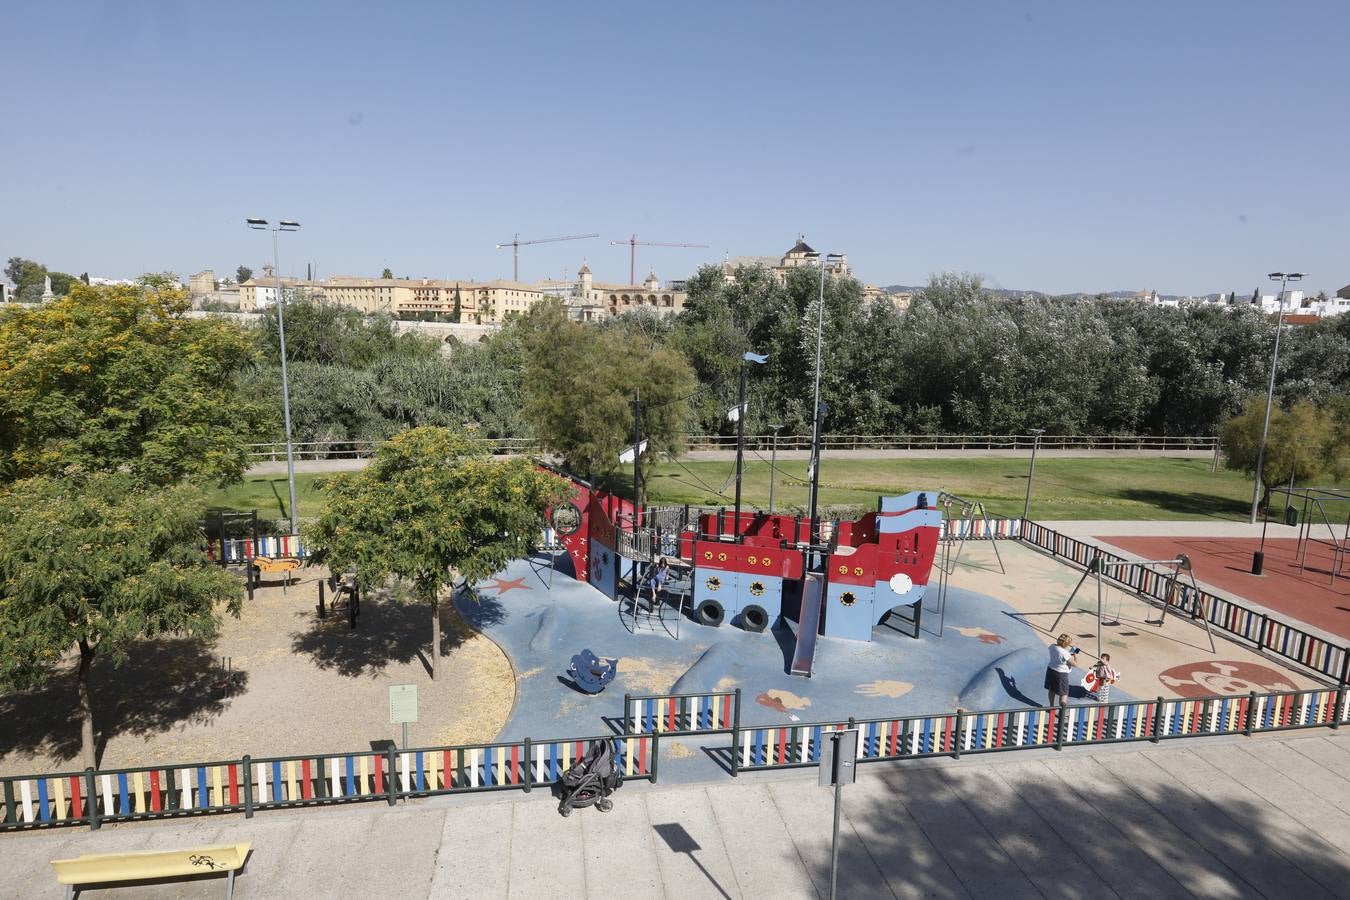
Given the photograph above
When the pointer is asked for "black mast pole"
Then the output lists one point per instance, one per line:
(740, 451)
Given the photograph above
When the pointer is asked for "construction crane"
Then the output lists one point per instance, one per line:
(633, 243)
(516, 243)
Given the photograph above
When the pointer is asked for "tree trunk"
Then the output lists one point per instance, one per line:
(435, 636)
(86, 706)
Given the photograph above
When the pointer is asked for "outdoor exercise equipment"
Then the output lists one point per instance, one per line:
(591, 673)
(960, 528)
(1314, 515)
(1177, 593)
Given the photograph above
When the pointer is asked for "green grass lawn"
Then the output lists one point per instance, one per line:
(268, 495)
(1106, 488)
(1109, 488)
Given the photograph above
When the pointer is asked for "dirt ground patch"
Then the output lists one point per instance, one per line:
(277, 681)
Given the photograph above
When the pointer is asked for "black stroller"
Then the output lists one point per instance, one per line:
(590, 780)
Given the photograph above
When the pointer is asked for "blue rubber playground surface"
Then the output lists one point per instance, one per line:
(985, 659)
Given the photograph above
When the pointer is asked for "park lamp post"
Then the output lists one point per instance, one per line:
(1031, 470)
(758, 359)
(1284, 278)
(283, 225)
(821, 260)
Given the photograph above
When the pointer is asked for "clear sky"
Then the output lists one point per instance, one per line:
(1181, 146)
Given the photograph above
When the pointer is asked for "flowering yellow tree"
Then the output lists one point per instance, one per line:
(120, 379)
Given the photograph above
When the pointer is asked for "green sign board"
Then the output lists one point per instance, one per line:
(402, 703)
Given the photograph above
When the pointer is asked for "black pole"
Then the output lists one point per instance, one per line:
(740, 451)
(637, 479)
(637, 455)
(815, 473)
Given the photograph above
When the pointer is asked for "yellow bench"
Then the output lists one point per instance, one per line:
(104, 868)
(276, 565)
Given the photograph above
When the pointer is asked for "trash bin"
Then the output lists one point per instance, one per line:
(1291, 515)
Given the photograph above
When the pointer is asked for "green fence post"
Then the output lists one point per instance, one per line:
(393, 777)
(11, 810)
(626, 699)
(1157, 718)
(656, 755)
(1059, 726)
(956, 735)
(89, 787)
(247, 763)
(1251, 711)
(171, 786)
(736, 734)
(320, 780)
(1261, 632)
(529, 767)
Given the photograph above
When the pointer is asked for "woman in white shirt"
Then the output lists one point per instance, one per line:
(1062, 659)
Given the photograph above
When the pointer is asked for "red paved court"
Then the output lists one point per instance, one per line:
(1226, 564)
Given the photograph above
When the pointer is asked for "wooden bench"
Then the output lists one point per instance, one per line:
(276, 565)
(110, 868)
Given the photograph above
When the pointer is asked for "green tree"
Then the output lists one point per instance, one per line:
(387, 273)
(242, 274)
(96, 564)
(454, 313)
(109, 378)
(579, 387)
(433, 508)
(27, 276)
(61, 283)
(1303, 442)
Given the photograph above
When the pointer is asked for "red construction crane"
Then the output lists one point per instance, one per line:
(517, 243)
(633, 243)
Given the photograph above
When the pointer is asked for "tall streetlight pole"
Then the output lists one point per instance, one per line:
(773, 464)
(821, 260)
(1031, 471)
(1284, 279)
(283, 225)
(740, 434)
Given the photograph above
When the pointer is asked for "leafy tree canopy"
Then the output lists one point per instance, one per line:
(432, 508)
(113, 378)
(580, 383)
(1304, 441)
(242, 274)
(98, 563)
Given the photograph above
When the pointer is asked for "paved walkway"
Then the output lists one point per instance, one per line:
(1214, 818)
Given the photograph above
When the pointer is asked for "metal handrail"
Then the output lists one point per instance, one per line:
(363, 449)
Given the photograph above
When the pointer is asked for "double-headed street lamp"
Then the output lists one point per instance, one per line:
(821, 260)
(1284, 278)
(758, 359)
(283, 225)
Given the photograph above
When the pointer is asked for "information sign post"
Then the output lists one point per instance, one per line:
(403, 707)
(838, 758)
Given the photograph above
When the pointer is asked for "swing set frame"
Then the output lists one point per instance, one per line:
(1098, 566)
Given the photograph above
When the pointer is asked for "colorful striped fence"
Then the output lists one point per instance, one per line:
(1280, 638)
(237, 550)
(707, 713)
(246, 785)
(982, 529)
(952, 734)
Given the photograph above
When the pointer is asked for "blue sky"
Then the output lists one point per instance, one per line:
(1187, 147)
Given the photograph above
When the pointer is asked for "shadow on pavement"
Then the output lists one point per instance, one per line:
(165, 682)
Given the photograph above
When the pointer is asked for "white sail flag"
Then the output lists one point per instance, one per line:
(734, 414)
(628, 455)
